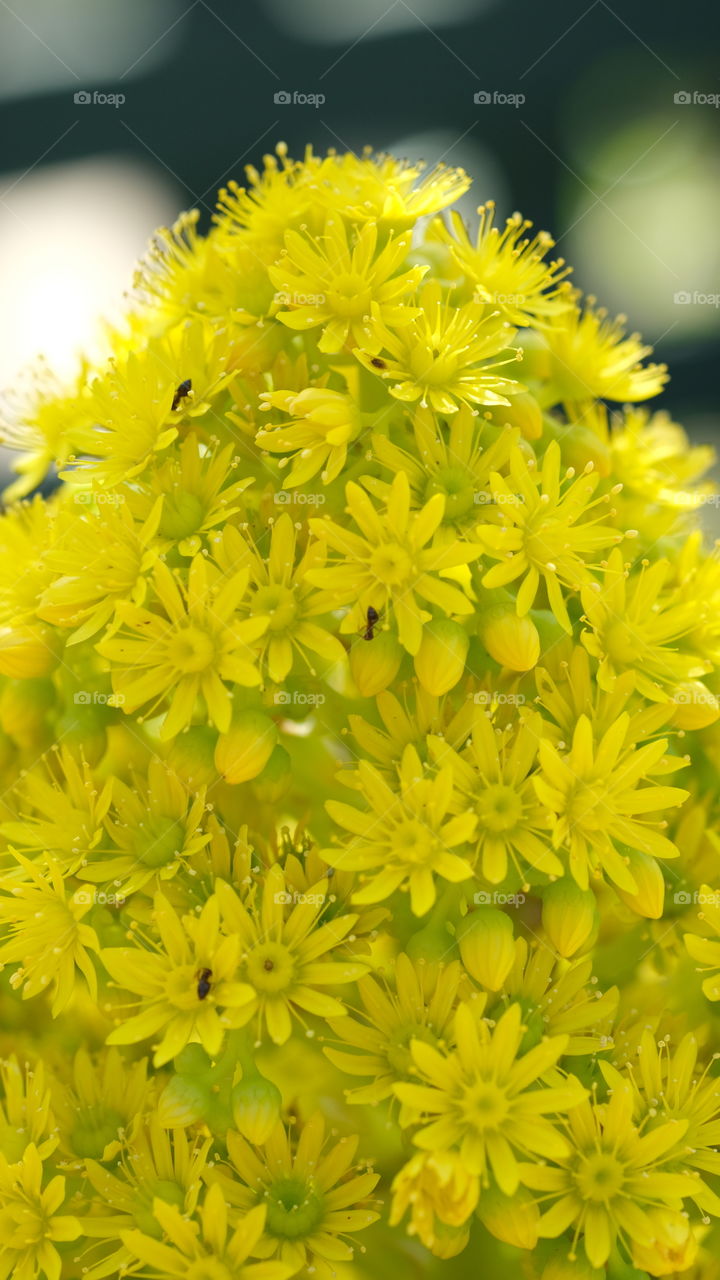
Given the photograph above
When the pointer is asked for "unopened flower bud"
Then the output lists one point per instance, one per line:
(191, 756)
(243, 752)
(487, 946)
(440, 660)
(512, 641)
(256, 1104)
(375, 663)
(512, 1219)
(271, 785)
(649, 897)
(183, 1102)
(568, 915)
(28, 651)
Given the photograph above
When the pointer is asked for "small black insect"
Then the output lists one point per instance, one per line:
(203, 986)
(371, 620)
(182, 392)
(377, 363)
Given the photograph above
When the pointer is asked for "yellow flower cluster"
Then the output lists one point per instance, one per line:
(359, 736)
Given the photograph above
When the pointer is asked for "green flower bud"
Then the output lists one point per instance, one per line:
(191, 756)
(513, 1219)
(375, 663)
(256, 1104)
(182, 1102)
(271, 785)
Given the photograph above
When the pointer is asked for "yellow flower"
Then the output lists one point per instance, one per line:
(494, 776)
(197, 645)
(153, 830)
(133, 401)
(324, 423)
(636, 627)
(434, 1185)
(197, 489)
(380, 187)
(337, 279)
(31, 1224)
(507, 268)
(446, 356)
(405, 839)
(389, 563)
(420, 1007)
(477, 1097)
(185, 984)
(592, 788)
(287, 954)
(592, 357)
(611, 1177)
(543, 534)
(58, 808)
(315, 1198)
(281, 602)
(45, 935)
(210, 1250)
(25, 1115)
(98, 1104)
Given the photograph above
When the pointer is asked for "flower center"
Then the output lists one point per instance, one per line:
(349, 295)
(279, 603)
(586, 806)
(182, 987)
(95, 1128)
(158, 1189)
(270, 967)
(391, 564)
(457, 486)
(499, 808)
(412, 842)
(183, 514)
(294, 1208)
(485, 1105)
(600, 1177)
(398, 1052)
(622, 643)
(547, 542)
(191, 650)
(156, 842)
(209, 1269)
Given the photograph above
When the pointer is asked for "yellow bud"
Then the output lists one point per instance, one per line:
(191, 756)
(512, 641)
(28, 651)
(256, 1106)
(695, 706)
(583, 445)
(512, 1219)
(182, 1102)
(523, 412)
(568, 915)
(440, 660)
(245, 749)
(649, 899)
(487, 946)
(375, 663)
(566, 1266)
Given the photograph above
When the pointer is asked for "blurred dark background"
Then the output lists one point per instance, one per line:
(615, 148)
